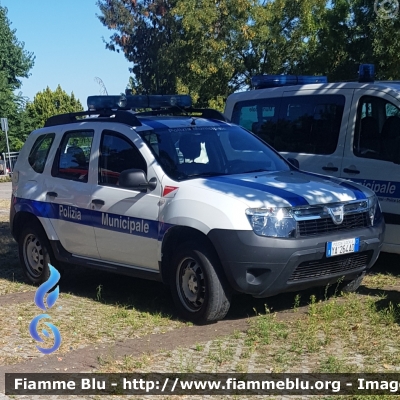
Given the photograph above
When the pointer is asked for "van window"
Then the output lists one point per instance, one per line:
(377, 133)
(309, 124)
(299, 124)
(259, 116)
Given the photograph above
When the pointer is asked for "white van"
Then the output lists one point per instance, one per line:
(349, 130)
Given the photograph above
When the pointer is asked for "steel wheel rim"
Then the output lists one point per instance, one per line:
(33, 255)
(191, 284)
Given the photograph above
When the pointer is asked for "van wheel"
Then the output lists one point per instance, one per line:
(35, 254)
(198, 287)
(352, 286)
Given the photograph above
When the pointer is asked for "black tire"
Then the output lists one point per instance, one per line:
(198, 287)
(352, 286)
(35, 253)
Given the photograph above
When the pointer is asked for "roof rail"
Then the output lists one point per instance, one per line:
(124, 117)
(207, 113)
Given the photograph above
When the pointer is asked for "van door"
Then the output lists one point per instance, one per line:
(372, 155)
(312, 128)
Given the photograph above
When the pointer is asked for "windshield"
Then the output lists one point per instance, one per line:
(198, 151)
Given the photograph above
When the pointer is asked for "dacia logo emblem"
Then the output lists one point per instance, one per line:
(336, 213)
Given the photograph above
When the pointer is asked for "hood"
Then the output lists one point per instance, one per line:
(284, 189)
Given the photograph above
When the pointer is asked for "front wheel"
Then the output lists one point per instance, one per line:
(34, 254)
(198, 287)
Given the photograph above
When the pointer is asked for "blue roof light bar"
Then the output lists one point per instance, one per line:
(270, 81)
(131, 102)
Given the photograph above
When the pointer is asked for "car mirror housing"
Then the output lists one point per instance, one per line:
(136, 179)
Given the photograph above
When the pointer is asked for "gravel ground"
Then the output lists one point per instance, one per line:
(5, 190)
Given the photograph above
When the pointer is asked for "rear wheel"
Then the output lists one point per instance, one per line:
(34, 253)
(198, 287)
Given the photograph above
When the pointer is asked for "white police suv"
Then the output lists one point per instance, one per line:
(349, 130)
(181, 196)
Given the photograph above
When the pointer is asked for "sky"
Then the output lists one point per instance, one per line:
(66, 38)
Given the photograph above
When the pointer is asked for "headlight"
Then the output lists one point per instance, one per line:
(374, 209)
(273, 222)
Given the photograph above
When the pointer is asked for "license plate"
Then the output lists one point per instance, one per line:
(342, 247)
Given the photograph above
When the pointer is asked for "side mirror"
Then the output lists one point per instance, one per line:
(294, 162)
(136, 179)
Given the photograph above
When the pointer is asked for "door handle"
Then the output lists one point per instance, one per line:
(333, 169)
(98, 202)
(52, 194)
(351, 171)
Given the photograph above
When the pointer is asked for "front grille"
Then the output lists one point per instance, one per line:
(330, 266)
(313, 227)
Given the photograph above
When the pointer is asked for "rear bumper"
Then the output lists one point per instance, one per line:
(263, 266)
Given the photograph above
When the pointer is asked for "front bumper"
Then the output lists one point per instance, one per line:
(264, 266)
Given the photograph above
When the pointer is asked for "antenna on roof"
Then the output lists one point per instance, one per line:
(103, 89)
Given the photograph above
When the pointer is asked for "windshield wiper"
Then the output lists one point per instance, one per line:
(206, 174)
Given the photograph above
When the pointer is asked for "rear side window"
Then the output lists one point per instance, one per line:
(73, 156)
(40, 151)
(299, 124)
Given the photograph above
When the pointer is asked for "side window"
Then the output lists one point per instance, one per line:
(309, 124)
(245, 115)
(392, 111)
(117, 154)
(73, 158)
(259, 116)
(39, 152)
(377, 133)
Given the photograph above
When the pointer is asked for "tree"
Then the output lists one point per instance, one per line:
(48, 103)
(15, 63)
(352, 32)
(232, 40)
(175, 45)
(145, 29)
(208, 48)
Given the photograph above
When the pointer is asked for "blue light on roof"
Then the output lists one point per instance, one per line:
(270, 81)
(132, 102)
(366, 73)
(309, 79)
(103, 102)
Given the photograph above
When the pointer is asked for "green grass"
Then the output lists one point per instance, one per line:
(93, 306)
(356, 332)
(333, 334)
